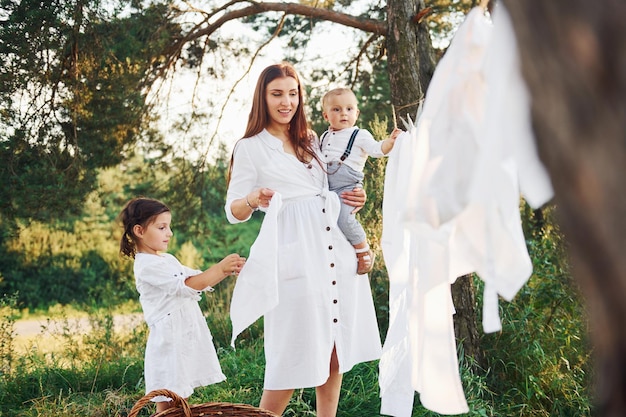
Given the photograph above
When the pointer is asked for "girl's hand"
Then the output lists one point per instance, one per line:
(232, 264)
(355, 198)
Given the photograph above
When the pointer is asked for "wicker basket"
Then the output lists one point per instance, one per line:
(182, 409)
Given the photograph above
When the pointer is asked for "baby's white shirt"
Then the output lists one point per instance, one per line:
(334, 143)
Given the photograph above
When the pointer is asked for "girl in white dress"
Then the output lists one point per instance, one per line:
(301, 272)
(180, 355)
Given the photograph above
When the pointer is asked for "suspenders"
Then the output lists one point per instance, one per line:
(346, 153)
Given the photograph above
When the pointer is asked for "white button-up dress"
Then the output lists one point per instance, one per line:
(301, 271)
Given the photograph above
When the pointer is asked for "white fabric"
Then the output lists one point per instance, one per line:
(334, 143)
(179, 353)
(253, 297)
(451, 120)
(321, 302)
(419, 353)
(508, 130)
(471, 146)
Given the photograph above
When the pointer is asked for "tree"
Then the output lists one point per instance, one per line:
(92, 76)
(572, 55)
(73, 94)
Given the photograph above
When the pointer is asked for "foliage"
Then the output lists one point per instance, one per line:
(78, 261)
(79, 378)
(8, 314)
(46, 265)
(541, 359)
(84, 71)
(73, 94)
(444, 16)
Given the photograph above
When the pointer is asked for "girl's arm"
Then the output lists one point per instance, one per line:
(230, 265)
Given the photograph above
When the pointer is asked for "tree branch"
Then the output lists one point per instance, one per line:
(376, 27)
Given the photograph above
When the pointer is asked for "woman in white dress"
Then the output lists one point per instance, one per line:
(180, 355)
(300, 275)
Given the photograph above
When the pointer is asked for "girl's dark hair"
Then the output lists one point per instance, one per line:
(301, 138)
(138, 211)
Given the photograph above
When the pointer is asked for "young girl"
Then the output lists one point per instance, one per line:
(180, 355)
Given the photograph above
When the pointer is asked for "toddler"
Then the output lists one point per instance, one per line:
(345, 148)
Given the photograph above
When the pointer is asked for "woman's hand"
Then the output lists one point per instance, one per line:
(242, 208)
(263, 197)
(355, 198)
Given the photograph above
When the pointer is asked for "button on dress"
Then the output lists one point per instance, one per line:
(301, 271)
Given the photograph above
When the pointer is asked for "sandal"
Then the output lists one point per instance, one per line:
(365, 262)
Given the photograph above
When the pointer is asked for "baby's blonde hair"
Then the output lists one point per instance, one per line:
(336, 92)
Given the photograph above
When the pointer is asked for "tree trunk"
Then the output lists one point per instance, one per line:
(573, 59)
(411, 66)
(465, 323)
(411, 56)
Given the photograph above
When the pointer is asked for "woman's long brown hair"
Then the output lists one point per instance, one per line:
(300, 136)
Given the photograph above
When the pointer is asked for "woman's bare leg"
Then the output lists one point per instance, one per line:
(276, 400)
(327, 395)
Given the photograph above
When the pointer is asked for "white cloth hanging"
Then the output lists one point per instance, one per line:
(464, 162)
(419, 353)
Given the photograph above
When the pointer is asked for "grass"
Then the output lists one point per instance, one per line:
(537, 366)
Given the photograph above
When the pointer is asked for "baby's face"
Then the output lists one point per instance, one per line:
(341, 111)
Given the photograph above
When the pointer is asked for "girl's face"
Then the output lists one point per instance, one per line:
(155, 237)
(282, 99)
(341, 111)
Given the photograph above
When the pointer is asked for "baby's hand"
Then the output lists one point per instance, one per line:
(396, 132)
(232, 264)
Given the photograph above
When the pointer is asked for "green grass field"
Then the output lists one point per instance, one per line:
(99, 373)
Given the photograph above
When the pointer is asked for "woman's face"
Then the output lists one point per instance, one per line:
(282, 99)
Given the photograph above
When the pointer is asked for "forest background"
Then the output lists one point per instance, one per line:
(86, 86)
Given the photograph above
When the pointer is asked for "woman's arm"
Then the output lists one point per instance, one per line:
(242, 208)
(241, 201)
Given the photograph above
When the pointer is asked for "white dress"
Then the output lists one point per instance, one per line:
(300, 273)
(180, 355)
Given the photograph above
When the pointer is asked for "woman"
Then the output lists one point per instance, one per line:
(301, 274)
